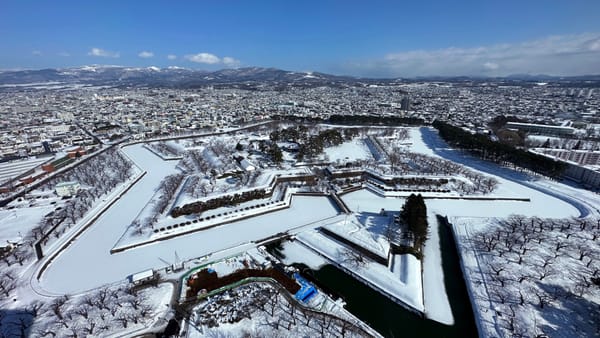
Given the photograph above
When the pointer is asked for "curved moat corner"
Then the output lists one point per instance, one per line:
(389, 318)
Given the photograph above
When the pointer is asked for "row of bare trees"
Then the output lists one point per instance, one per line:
(165, 148)
(534, 267)
(407, 163)
(98, 176)
(163, 198)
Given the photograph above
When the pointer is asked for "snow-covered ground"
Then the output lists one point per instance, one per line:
(16, 223)
(349, 151)
(437, 305)
(297, 253)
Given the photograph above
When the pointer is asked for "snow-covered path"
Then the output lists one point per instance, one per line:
(88, 264)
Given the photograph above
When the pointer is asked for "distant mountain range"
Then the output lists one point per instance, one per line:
(171, 77)
(249, 78)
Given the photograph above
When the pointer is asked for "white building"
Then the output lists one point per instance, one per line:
(67, 188)
(583, 157)
(541, 128)
(142, 277)
(586, 176)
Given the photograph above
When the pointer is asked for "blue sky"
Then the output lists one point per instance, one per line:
(361, 38)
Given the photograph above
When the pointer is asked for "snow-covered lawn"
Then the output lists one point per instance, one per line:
(349, 151)
(16, 223)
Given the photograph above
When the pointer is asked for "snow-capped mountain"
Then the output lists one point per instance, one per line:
(170, 76)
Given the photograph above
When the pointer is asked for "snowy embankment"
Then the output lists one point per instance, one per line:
(437, 305)
(365, 231)
(426, 193)
(477, 289)
(403, 285)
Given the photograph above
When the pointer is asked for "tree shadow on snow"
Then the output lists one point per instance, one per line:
(569, 315)
(16, 322)
(375, 222)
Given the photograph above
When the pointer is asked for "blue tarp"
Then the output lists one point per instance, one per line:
(307, 290)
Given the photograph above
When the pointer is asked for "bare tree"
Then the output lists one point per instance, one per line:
(7, 285)
(135, 302)
(123, 319)
(83, 310)
(34, 307)
(57, 306)
(497, 269)
(145, 310)
(352, 257)
(584, 251)
(542, 297)
(89, 327)
(273, 301)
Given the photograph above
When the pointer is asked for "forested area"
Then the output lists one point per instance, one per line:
(375, 120)
(311, 143)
